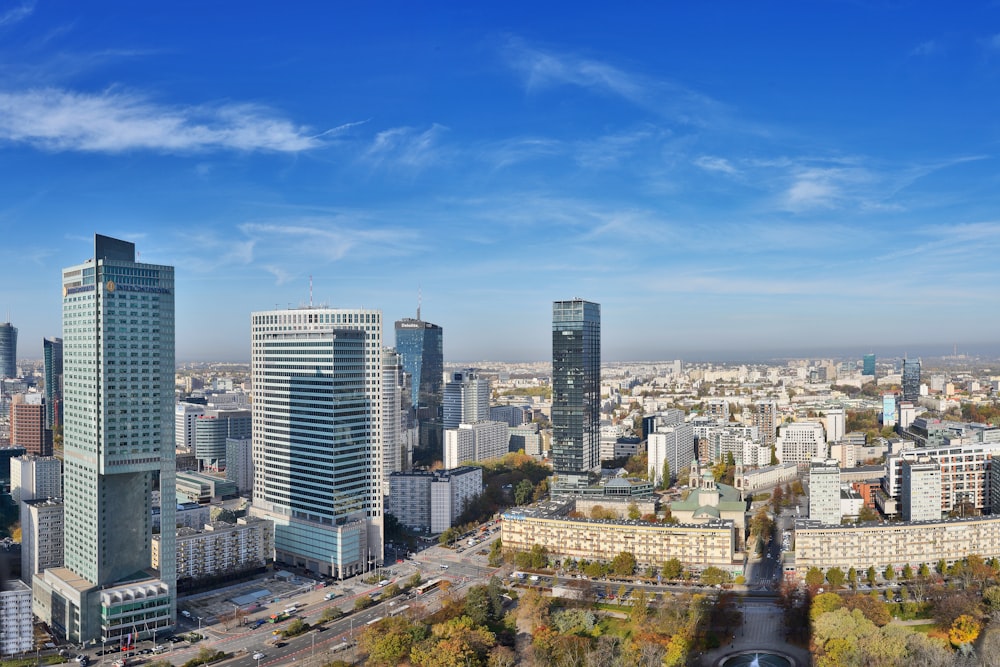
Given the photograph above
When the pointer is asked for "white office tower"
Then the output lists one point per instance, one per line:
(801, 442)
(16, 621)
(469, 443)
(399, 431)
(35, 477)
(451, 492)
(185, 417)
(920, 495)
(42, 526)
(835, 424)
(673, 444)
(466, 399)
(239, 463)
(824, 491)
(118, 441)
(317, 435)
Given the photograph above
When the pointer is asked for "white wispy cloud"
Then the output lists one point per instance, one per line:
(16, 14)
(328, 239)
(543, 69)
(115, 121)
(517, 150)
(407, 147)
(720, 164)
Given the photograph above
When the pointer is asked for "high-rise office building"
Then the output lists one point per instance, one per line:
(399, 430)
(920, 492)
(889, 410)
(868, 365)
(576, 387)
(27, 424)
(911, 379)
(52, 351)
(118, 328)
(824, 491)
(317, 435)
(421, 346)
(466, 399)
(212, 429)
(185, 416)
(8, 350)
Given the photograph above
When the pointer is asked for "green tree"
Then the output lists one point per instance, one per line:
(331, 614)
(496, 554)
(523, 491)
(363, 602)
(907, 572)
(867, 514)
(991, 598)
(633, 511)
(889, 574)
(823, 603)
(665, 475)
(852, 578)
(714, 576)
(774, 456)
(388, 642)
(923, 572)
(623, 564)
(871, 576)
(672, 569)
(835, 576)
(814, 577)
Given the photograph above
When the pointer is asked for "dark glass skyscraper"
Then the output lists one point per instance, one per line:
(421, 347)
(911, 379)
(8, 350)
(576, 386)
(52, 349)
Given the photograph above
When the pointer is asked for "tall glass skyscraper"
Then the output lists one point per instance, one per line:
(421, 346)
(118, 441)
(8, 350)
(52, 350)
(317, 435)
(576, 386)
(911, 379)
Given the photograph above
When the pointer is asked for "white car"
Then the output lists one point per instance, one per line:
(258, 656)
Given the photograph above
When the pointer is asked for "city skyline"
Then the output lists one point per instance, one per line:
(725, 181)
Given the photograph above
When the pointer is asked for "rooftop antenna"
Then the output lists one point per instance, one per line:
(310, 291)
(420, 298)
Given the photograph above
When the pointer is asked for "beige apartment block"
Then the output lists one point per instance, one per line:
(897, 544)
(696, 546)
(221, 547)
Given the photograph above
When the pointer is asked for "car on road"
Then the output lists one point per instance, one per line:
(258, 656)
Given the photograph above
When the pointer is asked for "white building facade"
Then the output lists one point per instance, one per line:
(801, 442)
(475, 442)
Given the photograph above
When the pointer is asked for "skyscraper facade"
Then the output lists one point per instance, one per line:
(421, 347)
(911, 379)
(118, 326)
(576, 386)
(212, 429)
(868, 365)
(8, 350)
(52, 352)
(466, 399)
(317, 435)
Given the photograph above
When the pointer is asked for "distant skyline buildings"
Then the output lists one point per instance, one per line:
(576, 387)
(868, 364)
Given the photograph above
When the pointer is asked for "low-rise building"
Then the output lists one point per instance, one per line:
(897, 544)
(429, 501)
(549, 525)
(220, 548)
(198, 487)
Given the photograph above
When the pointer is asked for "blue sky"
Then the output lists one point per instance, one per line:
(724, 178)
